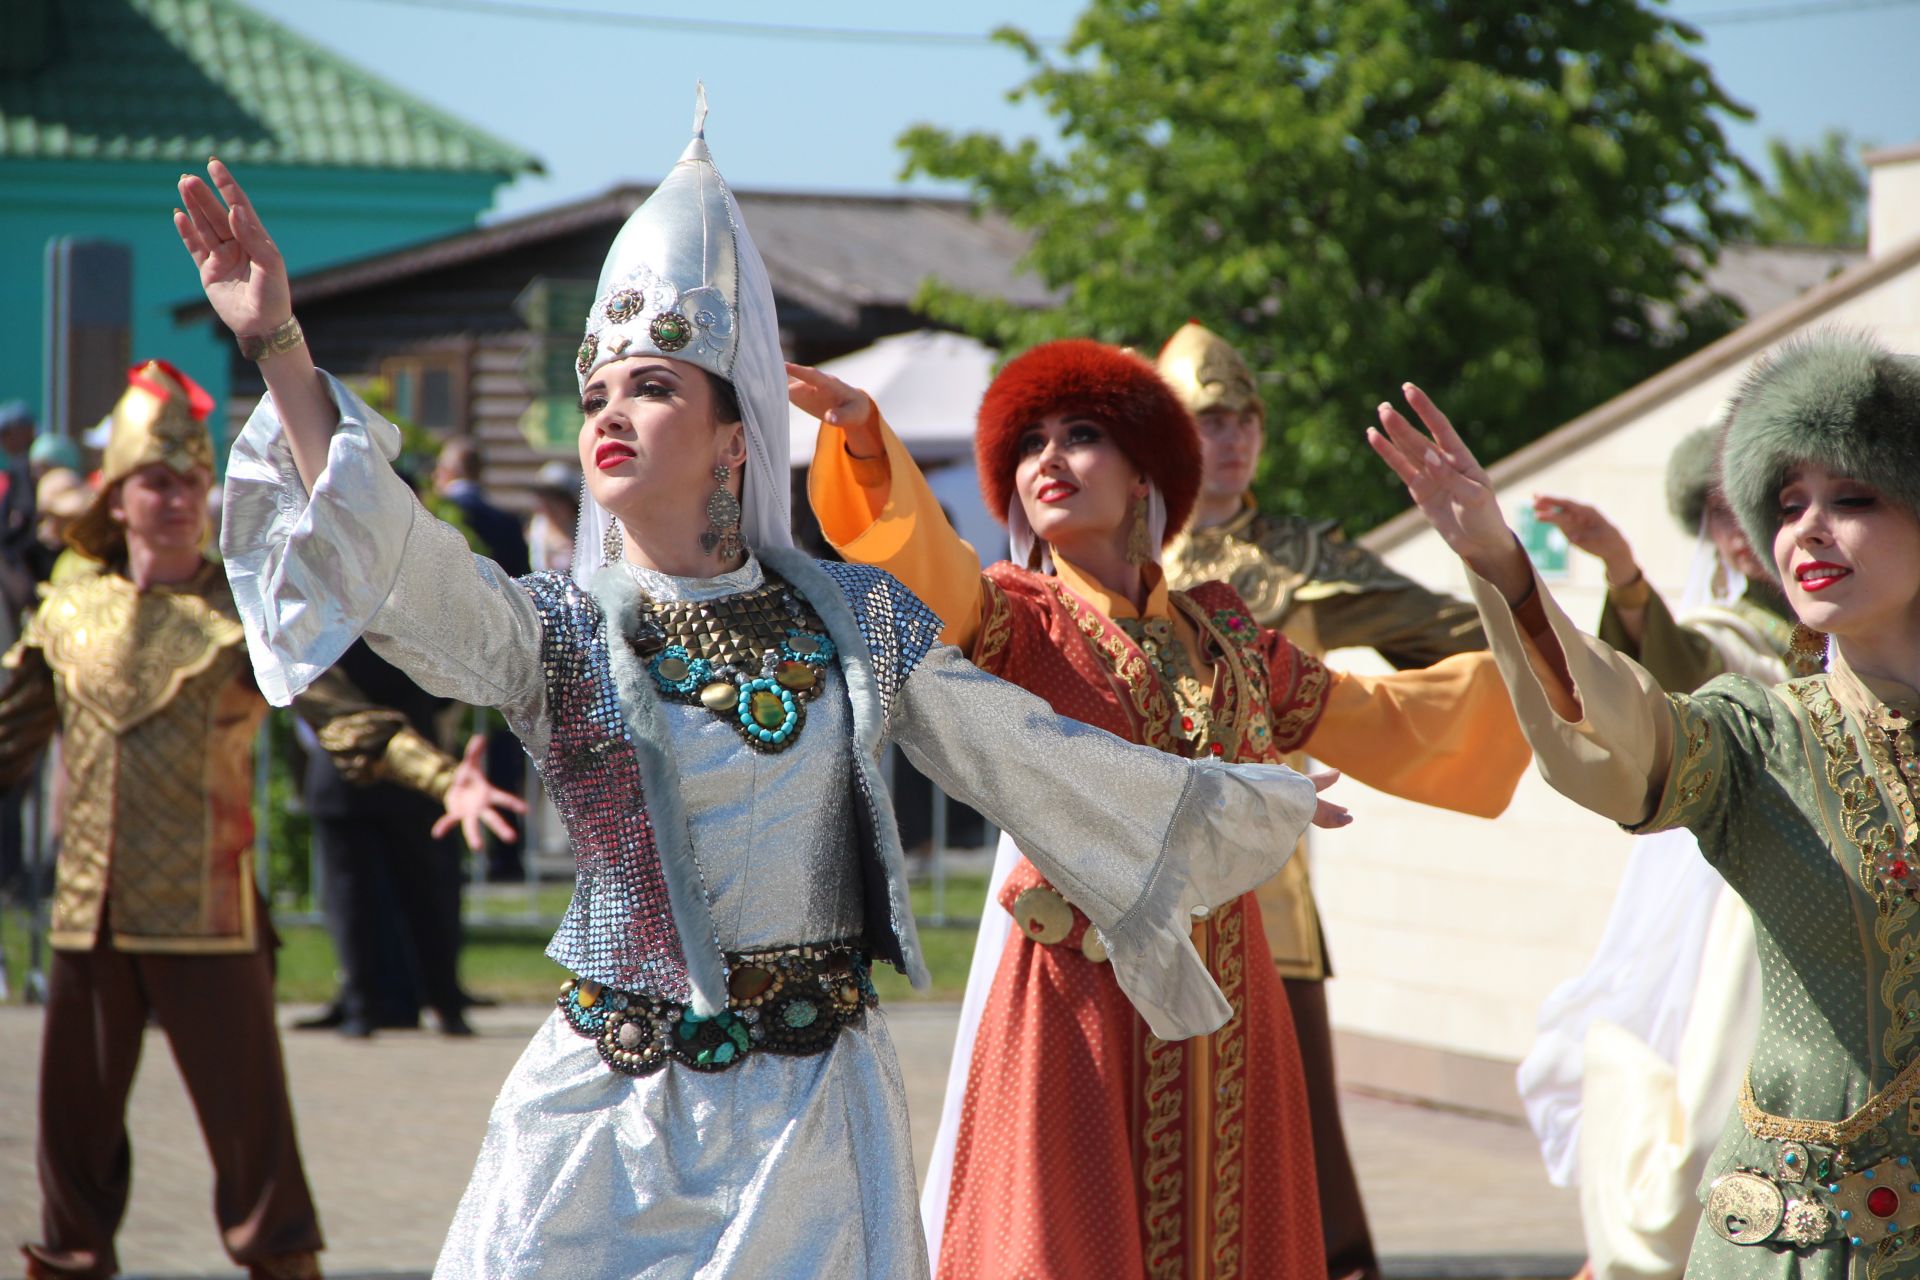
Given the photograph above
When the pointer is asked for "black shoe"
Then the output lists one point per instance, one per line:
(328, 1019)
(453, 1023)
(355, 1028)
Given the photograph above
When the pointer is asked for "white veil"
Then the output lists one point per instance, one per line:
(1021, 540)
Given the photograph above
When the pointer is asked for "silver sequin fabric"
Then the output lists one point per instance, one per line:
(619, 927)
(779, 1167)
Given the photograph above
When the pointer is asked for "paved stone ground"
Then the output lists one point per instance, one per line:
(390, 1128)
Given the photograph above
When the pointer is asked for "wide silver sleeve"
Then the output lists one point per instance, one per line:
(311, 573)
(1136, 838)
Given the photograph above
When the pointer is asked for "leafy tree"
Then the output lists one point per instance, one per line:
(1511, 204)
(1818, 195)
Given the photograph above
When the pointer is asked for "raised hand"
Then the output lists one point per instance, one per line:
(240, 267)
(1589, 530)
(1452, 490)
(472, 800)
(823, 396)
(1326, 813)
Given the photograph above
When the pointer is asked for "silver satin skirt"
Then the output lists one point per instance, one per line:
(779, 1167)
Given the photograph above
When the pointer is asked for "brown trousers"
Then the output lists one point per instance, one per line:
(1342, 1215)
(218, 1015)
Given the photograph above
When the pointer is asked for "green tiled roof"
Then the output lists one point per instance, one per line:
(179, 80)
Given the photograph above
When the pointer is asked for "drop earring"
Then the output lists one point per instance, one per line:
(613, 543)
(1139, 552)
(722, 536)
(1807, 651)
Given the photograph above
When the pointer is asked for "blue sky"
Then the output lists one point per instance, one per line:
(605, 104)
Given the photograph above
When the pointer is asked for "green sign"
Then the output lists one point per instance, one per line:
(555, 312)
(1545, 545)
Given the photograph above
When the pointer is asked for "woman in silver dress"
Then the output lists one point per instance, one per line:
(716, 1094)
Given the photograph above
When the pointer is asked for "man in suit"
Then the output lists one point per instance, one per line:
(456, 477)
(391, 876)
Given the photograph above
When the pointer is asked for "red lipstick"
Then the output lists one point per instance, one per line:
(1818, 575)
(1055, 491)
(611, 453)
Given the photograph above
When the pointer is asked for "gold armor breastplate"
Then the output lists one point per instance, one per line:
(158, 717)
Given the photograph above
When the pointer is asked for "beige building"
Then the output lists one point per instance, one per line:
(1447, 932)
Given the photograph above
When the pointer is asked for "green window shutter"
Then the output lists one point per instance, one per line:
(555, 313)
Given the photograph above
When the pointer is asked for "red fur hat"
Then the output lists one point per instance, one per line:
(1124, 392)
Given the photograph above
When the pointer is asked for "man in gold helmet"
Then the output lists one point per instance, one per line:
(1300, 577)
(137, 658)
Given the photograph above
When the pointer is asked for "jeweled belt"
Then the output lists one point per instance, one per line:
(1831, 1179)
(791, 1000)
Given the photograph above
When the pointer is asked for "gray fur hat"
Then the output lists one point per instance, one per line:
(1835, 398)
(1690, 477)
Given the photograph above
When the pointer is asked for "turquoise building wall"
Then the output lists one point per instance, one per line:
(318, 216)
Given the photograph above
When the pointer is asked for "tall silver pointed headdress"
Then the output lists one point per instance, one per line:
(684, 280)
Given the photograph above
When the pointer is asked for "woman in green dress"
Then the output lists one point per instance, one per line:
(1799, 793)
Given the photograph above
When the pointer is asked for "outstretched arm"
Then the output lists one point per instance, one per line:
(1634, 619)
(874, 506)
(323, 542)
(245, 279)
(372, 743)
(1601, 728)
(1134, 837)
(1443, 735)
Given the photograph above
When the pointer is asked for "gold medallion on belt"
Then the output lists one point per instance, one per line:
(1045, 917)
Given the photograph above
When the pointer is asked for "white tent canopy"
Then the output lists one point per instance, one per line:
(929, 385)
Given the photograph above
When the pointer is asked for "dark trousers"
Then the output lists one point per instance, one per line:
(392, 903)
(1342, 1215)
(217, 1012)
(506, 769)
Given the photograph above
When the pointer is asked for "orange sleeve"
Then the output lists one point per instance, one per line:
(1444, 735)
(879, 511)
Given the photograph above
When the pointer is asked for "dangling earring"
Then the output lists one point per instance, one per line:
(1719, 584)
(613, 543)
(723, 516)
(1807, 649)
(1139, 550)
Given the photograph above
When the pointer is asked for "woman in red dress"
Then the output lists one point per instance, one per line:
(1115, 1125)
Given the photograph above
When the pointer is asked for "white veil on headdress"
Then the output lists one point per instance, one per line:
(684, 280)
(1021, 539)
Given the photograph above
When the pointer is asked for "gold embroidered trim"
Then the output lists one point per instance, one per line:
(1229, 1125)
(1309, 696)
(1894, 912)
(1128, 665)
(1693, 777)
(997, 631)
(1833, 1133)
(1242, 697)
(1160, 1175)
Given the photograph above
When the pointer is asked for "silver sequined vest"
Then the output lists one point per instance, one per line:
(619, 928)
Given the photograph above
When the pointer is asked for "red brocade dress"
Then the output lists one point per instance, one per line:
(1088, 1148)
